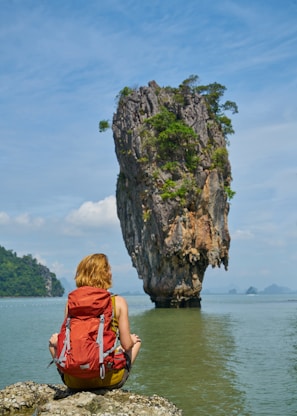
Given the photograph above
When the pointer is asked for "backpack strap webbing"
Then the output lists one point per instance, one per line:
(66, 345)
(114, 321)
(101, 345)
(114, 327)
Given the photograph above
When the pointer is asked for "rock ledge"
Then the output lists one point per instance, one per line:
(29, 398)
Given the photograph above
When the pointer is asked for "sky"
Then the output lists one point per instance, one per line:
(62, 65)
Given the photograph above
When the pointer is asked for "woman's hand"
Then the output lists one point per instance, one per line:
(53, 341)
(135, 338)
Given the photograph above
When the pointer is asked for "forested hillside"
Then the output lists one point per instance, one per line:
(24, 276)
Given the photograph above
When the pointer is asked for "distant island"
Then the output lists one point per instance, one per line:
(252, 291)
(272, 289)
(277, 290)
(25, 277)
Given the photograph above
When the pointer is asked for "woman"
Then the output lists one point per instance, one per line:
(94, 271)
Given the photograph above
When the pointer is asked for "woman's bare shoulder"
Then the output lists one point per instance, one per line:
(121, 306)
(120, 300)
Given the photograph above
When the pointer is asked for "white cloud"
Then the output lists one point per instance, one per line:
(4, 218)
(22, 220)
(27, 221)
(242, 235)
(95, 214)
(58, 268)
(40, 259)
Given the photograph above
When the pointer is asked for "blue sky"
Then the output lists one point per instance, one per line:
(62, 65)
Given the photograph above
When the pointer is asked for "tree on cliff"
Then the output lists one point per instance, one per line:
(174, 185)
(213, 94)
(24, 276)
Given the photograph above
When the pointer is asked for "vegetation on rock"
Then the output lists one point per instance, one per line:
(24, 276)
(168, 139)
(213, 93)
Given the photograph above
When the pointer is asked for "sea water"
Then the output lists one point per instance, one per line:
(237, 355)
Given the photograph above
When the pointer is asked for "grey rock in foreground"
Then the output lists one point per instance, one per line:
(29, 398)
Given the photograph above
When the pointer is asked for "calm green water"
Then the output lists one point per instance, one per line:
(235, 356)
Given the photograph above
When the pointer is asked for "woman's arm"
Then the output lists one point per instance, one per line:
(66, 310)
(124, 325)
(130, 342)
(52, 345)
(54, 338)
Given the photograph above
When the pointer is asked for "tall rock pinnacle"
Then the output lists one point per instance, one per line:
(172, 189)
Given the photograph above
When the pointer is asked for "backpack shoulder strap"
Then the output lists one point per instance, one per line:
(66, 344)
(101, 345)
(100, 341)
(114, 320)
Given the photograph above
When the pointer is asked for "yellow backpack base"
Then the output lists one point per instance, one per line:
(114, 379)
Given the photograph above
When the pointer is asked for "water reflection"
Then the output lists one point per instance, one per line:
(187, 357)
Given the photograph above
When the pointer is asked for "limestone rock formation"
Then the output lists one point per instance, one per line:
(29, 398)
(172, 198)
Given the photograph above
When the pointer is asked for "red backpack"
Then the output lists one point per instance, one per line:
(88, 336)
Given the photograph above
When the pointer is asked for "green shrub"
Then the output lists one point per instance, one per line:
(146, 215)
(213, 94)
(192, 160)
(229, 192)
(156, 174)
(171, 133)
(170, 166)
(219, 158)
(171, 189)
(143, 159)
(168, 189)
(162, 120)
(125, 92)
(103, 125)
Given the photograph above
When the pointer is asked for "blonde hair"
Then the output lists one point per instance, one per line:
(94, 270)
